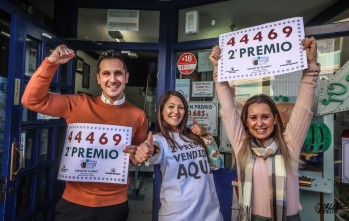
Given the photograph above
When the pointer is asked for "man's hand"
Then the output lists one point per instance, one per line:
(131, 149)
(61, 55)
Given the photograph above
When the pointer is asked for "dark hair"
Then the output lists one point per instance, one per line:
(277, 134)
(110, 54)
(183, 130)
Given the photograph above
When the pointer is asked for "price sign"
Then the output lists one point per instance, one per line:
(93, 153)
(265, 50)
(186, 63)
(205, 113)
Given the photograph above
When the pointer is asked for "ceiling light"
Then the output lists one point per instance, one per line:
(5, 34)
(116, 35)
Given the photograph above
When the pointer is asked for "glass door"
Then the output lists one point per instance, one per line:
(31, 142)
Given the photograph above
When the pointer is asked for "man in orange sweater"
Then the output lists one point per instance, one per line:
(96, 200)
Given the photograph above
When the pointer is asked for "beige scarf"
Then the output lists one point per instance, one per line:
(277, 182)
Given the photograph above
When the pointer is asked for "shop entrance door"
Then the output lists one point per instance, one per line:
(30, 143)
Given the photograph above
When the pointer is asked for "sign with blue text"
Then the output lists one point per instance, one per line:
(260, 51)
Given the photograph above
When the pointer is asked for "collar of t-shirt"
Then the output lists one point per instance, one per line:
(118, 102)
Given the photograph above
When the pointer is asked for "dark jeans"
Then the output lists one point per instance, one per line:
(67, 211)
(288, 218)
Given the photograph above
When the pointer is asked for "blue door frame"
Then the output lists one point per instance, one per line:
(25, 188)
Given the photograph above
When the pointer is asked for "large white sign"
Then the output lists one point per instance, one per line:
(265, 50)
(205, 113)
(93, 153)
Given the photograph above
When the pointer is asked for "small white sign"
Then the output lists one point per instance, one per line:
(183, 87)
(93, 153)
(202, 89)
(205, 113)
(265, 50)
(204, 64)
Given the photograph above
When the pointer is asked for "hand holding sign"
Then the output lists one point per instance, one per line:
(309, 45)
(264, 50)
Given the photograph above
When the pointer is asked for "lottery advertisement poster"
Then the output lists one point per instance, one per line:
(204, 113)
(260, 51)
(93, 153)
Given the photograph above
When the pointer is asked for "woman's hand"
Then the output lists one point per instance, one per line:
(310, 47)
(140, 154)
(214, 57)
(198, 129)
(146, 149)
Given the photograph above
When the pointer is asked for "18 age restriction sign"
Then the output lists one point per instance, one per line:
(186, 63)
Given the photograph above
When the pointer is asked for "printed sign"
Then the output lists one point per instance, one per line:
(183, 87)
(265, 50)
(202, 89)
(334, 92)
(205, 113)
(93, 153)
(204, 64)
(186, 63)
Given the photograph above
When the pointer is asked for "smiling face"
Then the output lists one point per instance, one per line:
(173, 112)
(112, 78)
(261, 121)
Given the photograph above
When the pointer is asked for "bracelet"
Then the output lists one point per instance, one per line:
(317, 66)
(215, 74)
(207, 141)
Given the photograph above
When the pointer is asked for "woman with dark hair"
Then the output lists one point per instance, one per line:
(267, 153)
(187, 190)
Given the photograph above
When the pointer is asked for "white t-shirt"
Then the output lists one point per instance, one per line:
(188, 191)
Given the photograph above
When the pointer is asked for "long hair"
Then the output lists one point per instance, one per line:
(183, 130)
(277, 134)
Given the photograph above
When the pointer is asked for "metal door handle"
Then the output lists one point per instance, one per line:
(14, 151)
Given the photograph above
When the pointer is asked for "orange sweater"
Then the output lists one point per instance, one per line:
(84, 109)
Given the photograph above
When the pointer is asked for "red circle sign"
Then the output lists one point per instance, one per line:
(186, 63)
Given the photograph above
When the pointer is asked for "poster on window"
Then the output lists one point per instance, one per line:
(204, 113)
(183, 87)
(204, 64)
(264, 50)
(202, 89)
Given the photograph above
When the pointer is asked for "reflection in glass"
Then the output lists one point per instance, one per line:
(24, 194)
(4, 60)
(43, 187)
(59, 186)
(27, 115)
(64, 70)
(60, 140)
(31, 56)
(27, 142)
(44, 143)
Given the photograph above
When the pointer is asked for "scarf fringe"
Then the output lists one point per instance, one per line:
(244, 213)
